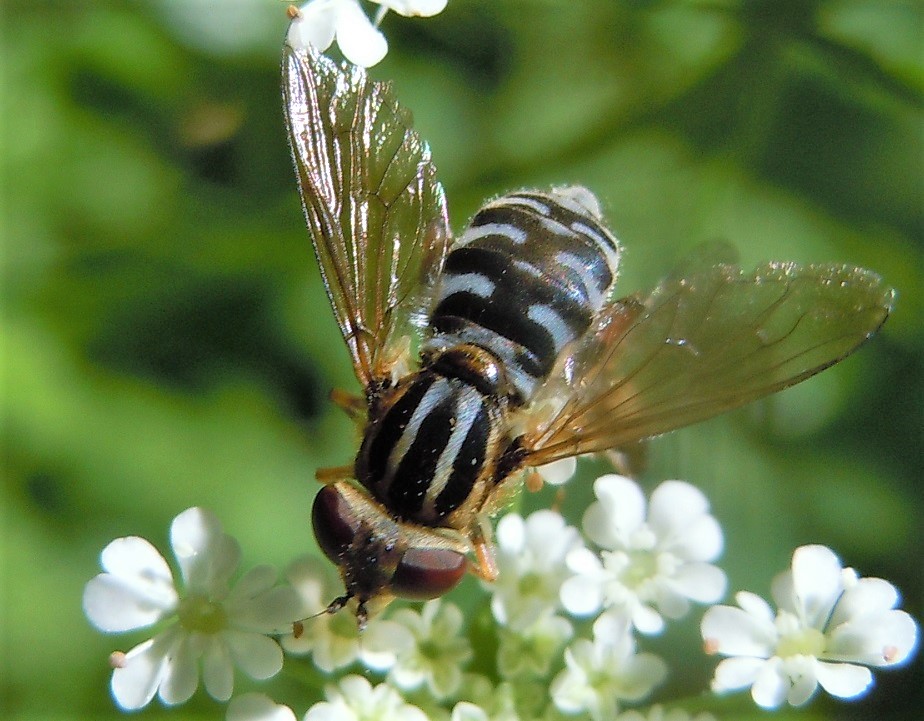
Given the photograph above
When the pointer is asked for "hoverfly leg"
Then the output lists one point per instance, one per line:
(362, 616)
(485, 565)
(332, 475)
(353, 406)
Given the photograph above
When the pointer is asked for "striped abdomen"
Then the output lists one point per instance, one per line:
(525, 280)
(431, 455)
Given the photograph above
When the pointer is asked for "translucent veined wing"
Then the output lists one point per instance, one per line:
(376, 214)
(702, 343)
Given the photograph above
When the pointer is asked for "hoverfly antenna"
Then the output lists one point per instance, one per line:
(298, 627)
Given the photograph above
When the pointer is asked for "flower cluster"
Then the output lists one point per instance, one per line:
(632, 566)
(319, 23)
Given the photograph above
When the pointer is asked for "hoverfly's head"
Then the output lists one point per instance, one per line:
(380, 558)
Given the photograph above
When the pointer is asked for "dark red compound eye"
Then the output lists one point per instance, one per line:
(334, 523)
(425, 573)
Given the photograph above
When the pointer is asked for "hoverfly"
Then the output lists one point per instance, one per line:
(524, 356)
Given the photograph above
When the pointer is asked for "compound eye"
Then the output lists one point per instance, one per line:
(334, 523)
(425, 573)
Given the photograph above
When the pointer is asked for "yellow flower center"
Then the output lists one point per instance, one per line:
(805, 642)
(197, 613)
(530, 584)
(642, 567)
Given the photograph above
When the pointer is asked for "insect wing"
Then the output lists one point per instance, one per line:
(701, 344)
(376, 214)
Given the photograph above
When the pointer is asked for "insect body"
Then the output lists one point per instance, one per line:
(524, 356)
(521, 284)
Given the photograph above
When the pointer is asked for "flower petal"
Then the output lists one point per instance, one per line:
(755, 606)
(619, 510)
(314, 26)
(731, 631)
(136, 592)
(256, 655)
(335, 652)
(217, 669)
(581, 595)
(734, 674)
(770, 685)
(465, 711)
(803, 678)
(257, 580)
(671, 601)
(817, 582)
(674, 506)
(700, 582)
(181, 677)
(411, 8)
(584, 562)
(867, 597)
(207, 556)
(874, 640)
(640, 675)
(647, 620)
(382, 642)
(701, 540)
(558, 472)
(134, 557)
(138, 677)
(254, 605)
(258, 707)
(844, 680)
(360, 42)
(511, 533)
(548, 538)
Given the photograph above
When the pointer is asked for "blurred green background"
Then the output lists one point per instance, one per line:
(166, 340)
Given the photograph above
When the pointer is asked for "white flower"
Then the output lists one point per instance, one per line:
(601, 673)
(438, 653)
(499, 711)
(647, 568)
(319, 22)
(465, 711)
(557, 473)
(334, 641)
(212, 623)
(829, 626)
(658, 713)
(504, 702)
(531, 558)
(257, 707)
(354, 699)
(529, 652)
(412, 8)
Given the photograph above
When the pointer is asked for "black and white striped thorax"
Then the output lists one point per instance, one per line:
(524, 281)
(431, 456)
